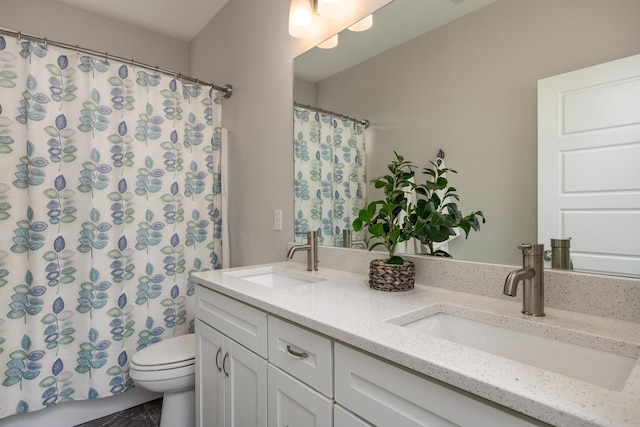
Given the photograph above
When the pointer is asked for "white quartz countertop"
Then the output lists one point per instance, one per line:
(344, 308)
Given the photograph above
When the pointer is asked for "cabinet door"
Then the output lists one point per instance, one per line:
(387, 395)
(209, 378)
(344, 418)
(243, 323)
(294, 404)
(245, 387)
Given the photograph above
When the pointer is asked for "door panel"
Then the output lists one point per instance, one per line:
(294, 404)
(589, 165)
(246, 387)
(209, 383)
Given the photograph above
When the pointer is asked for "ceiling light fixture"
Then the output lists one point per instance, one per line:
(363, 24)
(301, 17)
(303, 14)
(329, 43)
(331, 8)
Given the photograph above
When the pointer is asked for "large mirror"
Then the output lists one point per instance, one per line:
(464, 81)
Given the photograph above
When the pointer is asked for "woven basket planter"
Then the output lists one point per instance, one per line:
(391, 277)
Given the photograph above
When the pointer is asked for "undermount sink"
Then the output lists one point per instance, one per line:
(594, 366)
(276, 278)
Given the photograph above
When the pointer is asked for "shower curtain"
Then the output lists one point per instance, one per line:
(330, 174)
(109, 199)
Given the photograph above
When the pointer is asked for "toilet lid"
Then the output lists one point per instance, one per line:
(169, 351)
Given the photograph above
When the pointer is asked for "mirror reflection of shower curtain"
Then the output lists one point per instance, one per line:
(330, 178)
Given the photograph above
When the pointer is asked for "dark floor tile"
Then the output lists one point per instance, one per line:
(154, 409)
(145, 415)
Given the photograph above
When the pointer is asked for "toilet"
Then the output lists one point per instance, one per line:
(168, 367)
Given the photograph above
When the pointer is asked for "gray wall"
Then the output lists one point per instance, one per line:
(56, 21)
(247, 44)
(470, 88)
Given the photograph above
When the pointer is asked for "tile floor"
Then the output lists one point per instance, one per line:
(145, 415)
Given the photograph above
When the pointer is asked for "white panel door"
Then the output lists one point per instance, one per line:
(589, 165)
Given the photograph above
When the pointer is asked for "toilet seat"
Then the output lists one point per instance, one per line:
(172, 353)
(168, 367)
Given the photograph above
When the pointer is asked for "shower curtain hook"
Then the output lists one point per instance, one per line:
(133, 65)
(106, 57)
(19, 39)
(77, 50)
(45, 42)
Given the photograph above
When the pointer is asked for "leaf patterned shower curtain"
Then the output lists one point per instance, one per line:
(330, 174)
(109, 199)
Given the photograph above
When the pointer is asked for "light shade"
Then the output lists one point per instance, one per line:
(329, 43)
(301, 18)
(331, 8)
(363, 24)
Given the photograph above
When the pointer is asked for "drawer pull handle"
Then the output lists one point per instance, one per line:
(217, 358)
(302, 355)
(224, 364)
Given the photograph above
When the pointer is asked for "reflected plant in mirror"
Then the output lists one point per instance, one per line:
(426, 213)
(436, 216)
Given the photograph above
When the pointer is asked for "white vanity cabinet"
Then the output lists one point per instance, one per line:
(386, 395)
(294, 404)
(300, 376)
(255, 369)
(231, 379)
(231, 382)
(344, 418)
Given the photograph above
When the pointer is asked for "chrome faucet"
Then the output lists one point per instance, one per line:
(532, 276)
(311, 247)
(348, 242)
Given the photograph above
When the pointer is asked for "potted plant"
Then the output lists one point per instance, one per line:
(388, 223)
(433, 218)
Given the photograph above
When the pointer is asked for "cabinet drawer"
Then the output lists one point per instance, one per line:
(292, 403)
(344, 418)
(241, 322)
(302, 353)
(385, 394)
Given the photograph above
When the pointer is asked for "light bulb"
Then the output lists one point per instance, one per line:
(329, 43)
(331, 8)
(301, 19)
(363, 24)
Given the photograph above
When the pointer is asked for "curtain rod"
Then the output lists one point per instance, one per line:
(227, 89)
(364, 123)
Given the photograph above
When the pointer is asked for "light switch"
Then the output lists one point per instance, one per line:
(277, 220)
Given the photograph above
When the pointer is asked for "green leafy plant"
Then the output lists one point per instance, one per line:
(382, 218)
(436, 214)
(432, 219)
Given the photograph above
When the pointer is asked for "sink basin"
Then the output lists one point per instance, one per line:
(597, 367)
(276, 278)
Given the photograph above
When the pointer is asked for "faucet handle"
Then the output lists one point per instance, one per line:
(310, 235)
(534, 249)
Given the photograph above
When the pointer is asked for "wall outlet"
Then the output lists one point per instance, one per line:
(277, 220)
